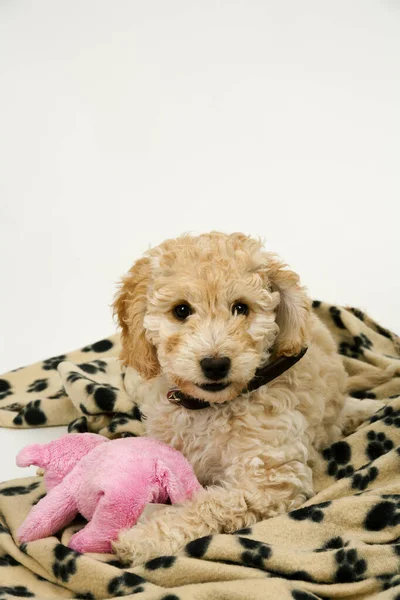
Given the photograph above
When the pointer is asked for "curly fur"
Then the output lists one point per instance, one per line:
(254, 452)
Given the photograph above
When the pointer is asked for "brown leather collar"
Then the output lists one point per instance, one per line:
(262, 376)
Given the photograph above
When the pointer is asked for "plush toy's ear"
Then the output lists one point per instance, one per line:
(293, 310)
(130, 306)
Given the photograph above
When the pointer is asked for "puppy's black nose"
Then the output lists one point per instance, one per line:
(216, 368)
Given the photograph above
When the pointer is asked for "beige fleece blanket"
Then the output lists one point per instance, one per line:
(344, 542)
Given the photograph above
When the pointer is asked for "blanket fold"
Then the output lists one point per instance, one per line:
(342, 543)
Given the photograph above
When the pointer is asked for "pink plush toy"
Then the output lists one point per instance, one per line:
(108, 482)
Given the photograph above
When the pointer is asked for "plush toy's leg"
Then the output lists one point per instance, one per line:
(50, 514)
(179, 488)
(115, 511)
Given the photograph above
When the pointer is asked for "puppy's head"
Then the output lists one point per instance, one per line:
(207, 311)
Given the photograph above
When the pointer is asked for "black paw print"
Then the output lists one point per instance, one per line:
(19, 490)
(8, 561)
(244, 531)
(355, 349)
(351, 567)
(51, 364)
(314, 513)
(389, 581)
(38, 385)
(338, 455)
(101, 346)
(103, 394)
(19, 591)
(332, 544)
(198, 548)
(385, 332)
(161, 562)
(128, 583)
(337, 319)
(80, 425)
(5, 389)
(302, 595)
(357, 313)
(384, 514)
(3, 529)
(362, 479)
(95, 366)
(388, 414)
(361, 394)
(74, 376)
(255, 554)
(118, 420)
(378, 444)
(64, 565)
(32, 413)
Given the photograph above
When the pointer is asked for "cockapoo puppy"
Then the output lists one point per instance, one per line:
(232, 368)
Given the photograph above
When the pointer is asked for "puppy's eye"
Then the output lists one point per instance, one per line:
(182, 311)
(240, 308)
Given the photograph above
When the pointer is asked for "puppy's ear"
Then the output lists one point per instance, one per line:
(130, 306)
(293, 311)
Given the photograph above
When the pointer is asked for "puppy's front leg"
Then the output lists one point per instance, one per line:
(215, 510)
(210, 511)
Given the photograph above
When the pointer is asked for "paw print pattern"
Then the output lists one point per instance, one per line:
(126, 584)
(337, 319)
(8, 561)
(302, 595)
(19, 490)
(118, 420)
(79, 425)
(51, 364)
(161, 562)
(357, 313)
(93, 367)
(382, 331)
(378, 444)
(384, 514)
(389, 581)
(313, 513)
(74, 376)
(64, 565)
(363, 478)
(332, 544)
(255, 552)
(338, 455)
(350, 566)
(19, 591)
(32, 414)
(356, 349)
(101, 346)
(3, 529)
(198, 548)
(104, 395)
(38, 385)
(5, 389)
(361, 394)
(388, 415)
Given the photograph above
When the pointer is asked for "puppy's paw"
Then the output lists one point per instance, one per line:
(143, 543)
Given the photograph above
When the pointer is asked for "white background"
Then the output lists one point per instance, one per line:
(123, 123)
